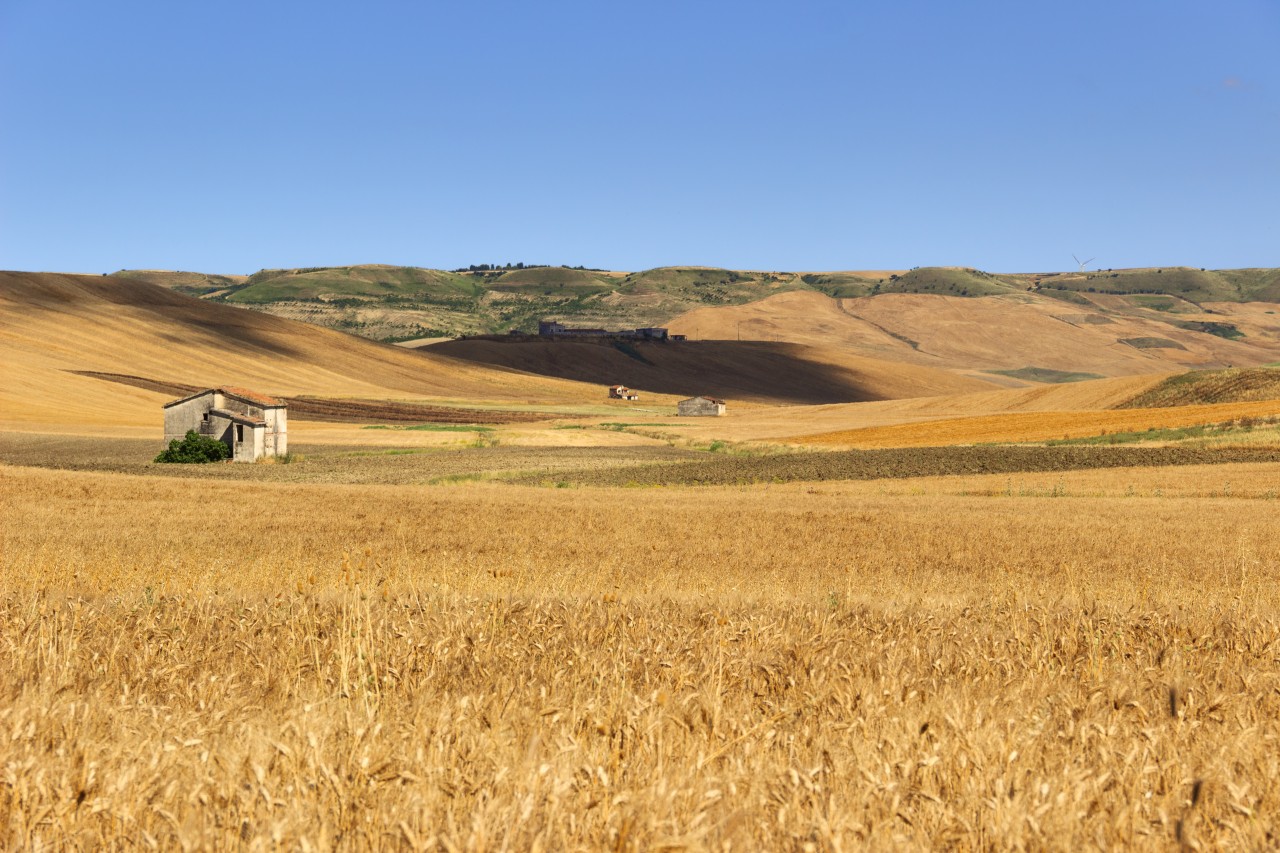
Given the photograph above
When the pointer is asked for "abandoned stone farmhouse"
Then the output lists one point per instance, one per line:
(700, 406)
(253, 425)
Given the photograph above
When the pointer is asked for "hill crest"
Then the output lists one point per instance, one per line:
(388, 302)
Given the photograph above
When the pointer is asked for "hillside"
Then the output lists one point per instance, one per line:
(1193, 285)
(1202, 387)
(368, 281)
(755, 371)
(189, 283)
(1009, 338)
(54, 325)
(402, 303)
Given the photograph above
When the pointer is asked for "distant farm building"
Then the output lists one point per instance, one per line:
(622, 392)
(253, 425)
(700, 407)
(554, 329)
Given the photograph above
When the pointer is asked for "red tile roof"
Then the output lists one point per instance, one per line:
(232, 391)
(250, 396)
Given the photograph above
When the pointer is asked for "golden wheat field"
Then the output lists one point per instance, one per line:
(1065, 661)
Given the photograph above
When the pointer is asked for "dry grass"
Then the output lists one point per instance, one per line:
(1038, 426)
(454, 723)
(216, 665)
(1212, 386)
(778, 424)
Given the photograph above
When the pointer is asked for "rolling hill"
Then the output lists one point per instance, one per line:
(1010, 339)
(755, 371)
(95, 355)
(54, 328)
(1195, 285)
(833, 336)
(402, 303)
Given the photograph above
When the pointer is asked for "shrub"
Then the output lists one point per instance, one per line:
(195, 448)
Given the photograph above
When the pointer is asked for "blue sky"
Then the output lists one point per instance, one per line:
(232, 136)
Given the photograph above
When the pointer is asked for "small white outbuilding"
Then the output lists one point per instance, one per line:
(253, 425)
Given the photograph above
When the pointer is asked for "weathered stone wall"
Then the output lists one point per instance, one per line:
(185, 416)
(249, 441)
(699, 406)
(277, 436)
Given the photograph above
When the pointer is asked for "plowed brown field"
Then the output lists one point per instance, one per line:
(715, 469)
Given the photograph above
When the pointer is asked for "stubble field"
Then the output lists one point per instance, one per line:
(1031, 660)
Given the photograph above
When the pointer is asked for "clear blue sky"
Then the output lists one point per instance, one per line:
(230, 136)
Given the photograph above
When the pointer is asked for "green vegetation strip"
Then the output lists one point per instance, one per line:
(722, 470)
(1221, 330)
(1045, 374)
(1151, 343)
(1165, 434)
